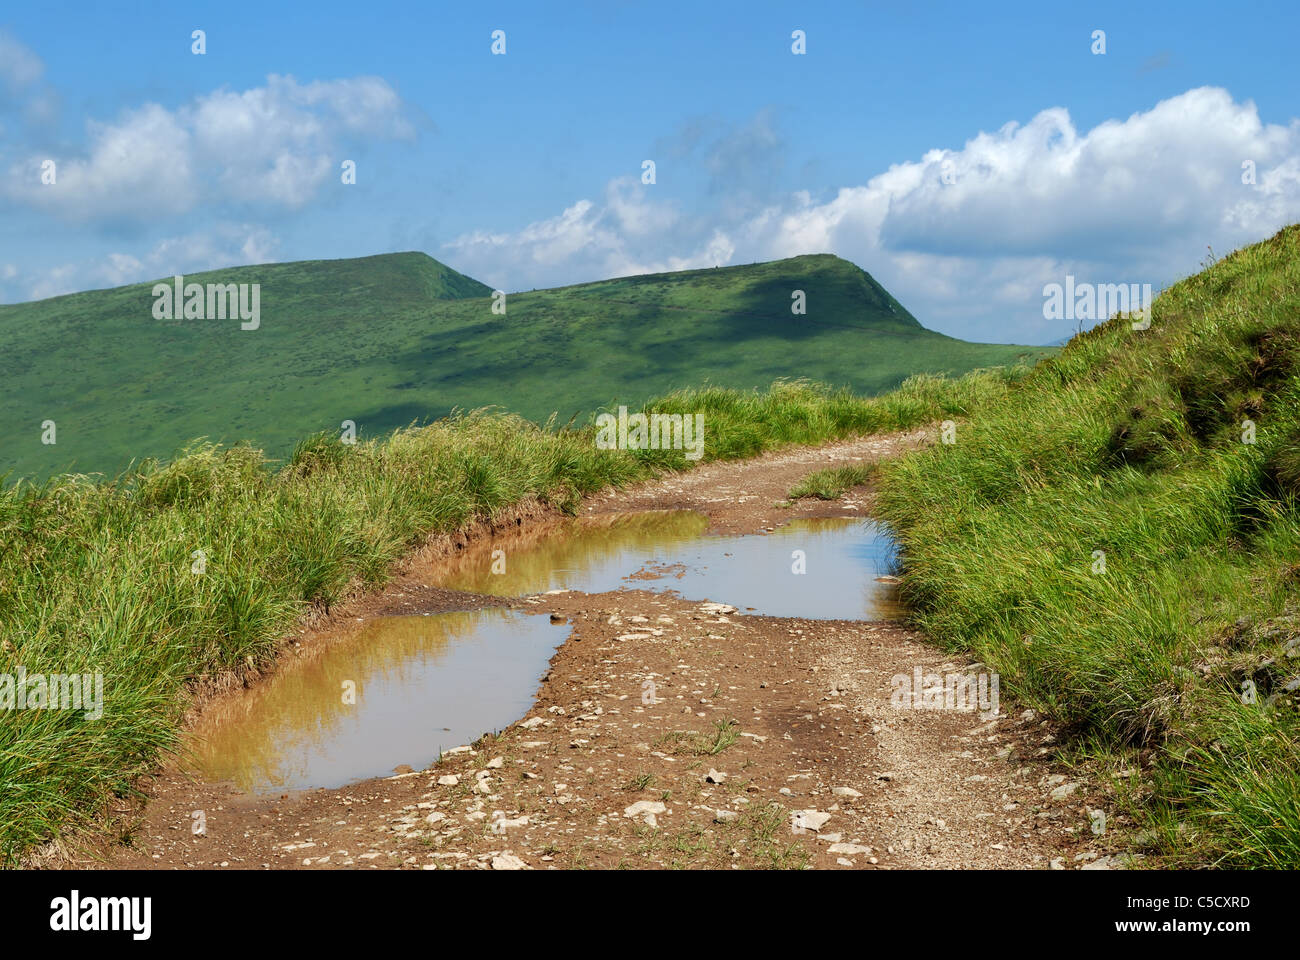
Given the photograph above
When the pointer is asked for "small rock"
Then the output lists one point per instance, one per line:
(1064, 790)
(812, 820)
(508, 861)
(717, 608)
(847, 848)
(646, 810)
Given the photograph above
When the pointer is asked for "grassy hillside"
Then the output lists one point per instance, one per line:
(101, 577)
(387, 340)
(1180, 656)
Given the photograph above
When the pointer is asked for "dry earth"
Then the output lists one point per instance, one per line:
(669, 733)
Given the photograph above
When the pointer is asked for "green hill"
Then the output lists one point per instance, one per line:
(390, 339)
(1118, 537)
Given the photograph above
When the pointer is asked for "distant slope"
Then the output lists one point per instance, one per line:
(389, 339)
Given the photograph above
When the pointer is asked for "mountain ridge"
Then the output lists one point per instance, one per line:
(389, 339)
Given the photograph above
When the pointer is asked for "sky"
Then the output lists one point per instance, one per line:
(966, 155)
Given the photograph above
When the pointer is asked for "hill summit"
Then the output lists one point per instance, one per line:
(386, 340)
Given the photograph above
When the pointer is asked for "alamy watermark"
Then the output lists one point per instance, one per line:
(179, 300)
(54, 691)
(655, 431)
(75, 913)
(1098, 301)
(948, 691)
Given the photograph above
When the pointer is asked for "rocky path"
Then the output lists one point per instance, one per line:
(676, 733)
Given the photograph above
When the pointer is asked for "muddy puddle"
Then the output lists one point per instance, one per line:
(417, 685)
(841, 560)
(397, 690)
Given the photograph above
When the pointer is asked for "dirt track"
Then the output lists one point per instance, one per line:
(761, 742)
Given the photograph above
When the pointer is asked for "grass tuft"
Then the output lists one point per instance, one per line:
(832, 483)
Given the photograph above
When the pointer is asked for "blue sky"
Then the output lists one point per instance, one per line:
(524, 170)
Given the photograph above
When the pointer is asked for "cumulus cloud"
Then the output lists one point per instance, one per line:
(276, 144)
(138, 167)
(588, 241)
(279, 143)
(977, 232)
(1044, 187)
(967, 238)
(226, 245)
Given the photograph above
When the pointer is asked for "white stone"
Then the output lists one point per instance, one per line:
(508, 861)
(647, 810)
(717, 608)
(847, 848)
(810, 820)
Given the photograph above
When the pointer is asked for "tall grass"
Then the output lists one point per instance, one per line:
(1102, 536)
(98, 575)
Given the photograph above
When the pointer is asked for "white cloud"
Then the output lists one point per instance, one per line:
(1134, 200)
(586, 242)
(277, 144)
(138, 167)
(1044, 187)
(20, 68)
(226, 245)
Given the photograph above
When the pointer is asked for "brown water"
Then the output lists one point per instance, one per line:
(427, 683)
(422, 684)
